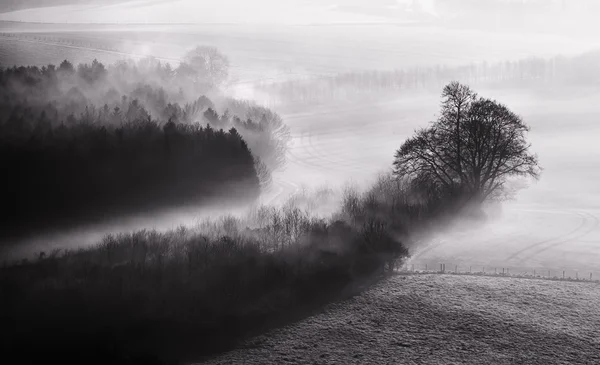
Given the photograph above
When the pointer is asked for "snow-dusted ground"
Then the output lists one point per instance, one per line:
(442, 319)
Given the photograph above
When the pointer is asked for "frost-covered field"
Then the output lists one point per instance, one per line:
(442, 319)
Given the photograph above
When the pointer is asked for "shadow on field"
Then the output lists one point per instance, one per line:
(75, 336)
(167, 298)
(314, 303)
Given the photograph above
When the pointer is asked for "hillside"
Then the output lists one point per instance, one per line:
(187, 11)
(574, 18)
(14, 5)
(448, 319)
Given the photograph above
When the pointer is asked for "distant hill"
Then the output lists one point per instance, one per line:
(361, 6)
(14, 5)
(562, 16)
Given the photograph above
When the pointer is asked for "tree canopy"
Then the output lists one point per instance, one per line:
(472, 150)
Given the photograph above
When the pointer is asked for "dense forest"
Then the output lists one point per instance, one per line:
(91, 141)
(128, 90)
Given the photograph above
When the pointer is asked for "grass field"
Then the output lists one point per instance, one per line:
(442, 319)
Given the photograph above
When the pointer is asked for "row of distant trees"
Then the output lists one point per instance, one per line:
(581, 70)
(201, 72)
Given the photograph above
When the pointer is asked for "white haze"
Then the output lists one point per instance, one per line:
(553, 225)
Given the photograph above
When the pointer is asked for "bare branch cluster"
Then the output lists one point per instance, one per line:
(472, 149)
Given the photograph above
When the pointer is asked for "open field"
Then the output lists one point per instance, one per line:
(442, 319)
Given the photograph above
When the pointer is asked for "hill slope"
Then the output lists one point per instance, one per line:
(443, 320)
(13, 5)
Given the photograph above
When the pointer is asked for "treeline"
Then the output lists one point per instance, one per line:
(583, 70)
(80, 171)
(129, 91)
(90, 141)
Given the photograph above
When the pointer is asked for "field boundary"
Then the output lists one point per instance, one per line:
(563, 275)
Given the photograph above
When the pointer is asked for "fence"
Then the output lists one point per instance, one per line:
(493, 271)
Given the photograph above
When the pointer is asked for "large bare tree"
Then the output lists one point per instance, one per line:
(472, 149)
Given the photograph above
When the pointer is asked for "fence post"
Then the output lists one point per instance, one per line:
(590, 276)
(425, 267)
(456, 269)
(441, 268)
(470, 267)
(563, 274)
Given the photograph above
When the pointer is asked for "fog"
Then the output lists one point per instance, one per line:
(178, 174)
(335, 142)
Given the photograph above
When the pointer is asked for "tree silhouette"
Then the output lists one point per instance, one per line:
(471, 151)
(66, 66)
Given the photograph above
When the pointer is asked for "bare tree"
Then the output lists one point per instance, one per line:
(473, 148)
(210, 65)
(264, 174)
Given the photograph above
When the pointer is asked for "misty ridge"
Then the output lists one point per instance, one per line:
(187, 294)
(91, 141)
